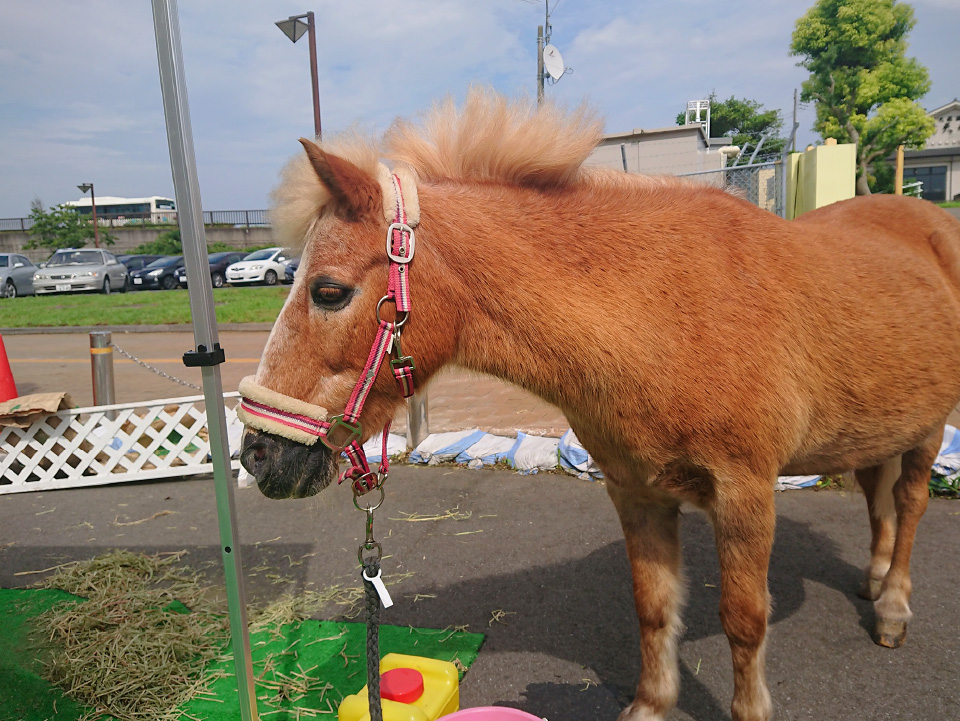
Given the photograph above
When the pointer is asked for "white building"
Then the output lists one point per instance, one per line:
(938, 164)
(155, 208)
(664, 151)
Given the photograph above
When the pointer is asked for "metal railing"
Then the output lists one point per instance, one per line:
(249, 218)
(234, 218)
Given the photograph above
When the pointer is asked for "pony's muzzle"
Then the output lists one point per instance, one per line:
(284, 468)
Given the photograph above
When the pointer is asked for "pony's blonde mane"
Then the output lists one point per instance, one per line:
(489, 139)
(493, 139)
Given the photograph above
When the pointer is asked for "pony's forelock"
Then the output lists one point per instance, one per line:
(297, 203)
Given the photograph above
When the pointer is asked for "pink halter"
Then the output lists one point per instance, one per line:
(343, 432)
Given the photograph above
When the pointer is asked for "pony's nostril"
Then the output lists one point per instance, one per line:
(254, 458)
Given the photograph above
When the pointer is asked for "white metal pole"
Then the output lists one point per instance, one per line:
(208, 354)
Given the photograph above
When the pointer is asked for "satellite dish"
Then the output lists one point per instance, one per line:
(552, 62)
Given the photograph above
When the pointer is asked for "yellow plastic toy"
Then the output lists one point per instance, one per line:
(412, 689)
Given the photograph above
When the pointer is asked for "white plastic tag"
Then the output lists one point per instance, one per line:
(378, 584)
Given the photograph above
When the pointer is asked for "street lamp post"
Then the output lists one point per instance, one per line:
(294, 28)
(93, 204)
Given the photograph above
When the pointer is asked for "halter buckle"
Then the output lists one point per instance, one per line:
(403, 228)
(353, 430)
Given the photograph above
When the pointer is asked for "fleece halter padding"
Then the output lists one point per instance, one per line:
(273, 412)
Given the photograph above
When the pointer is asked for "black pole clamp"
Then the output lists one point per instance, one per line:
(202, 358)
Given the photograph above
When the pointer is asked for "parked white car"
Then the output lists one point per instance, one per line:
(261, 266)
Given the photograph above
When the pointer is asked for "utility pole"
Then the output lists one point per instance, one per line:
(898, 178)
(794, 148)
(539, 65)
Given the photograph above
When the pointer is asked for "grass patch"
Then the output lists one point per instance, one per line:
(950, 204)
(233, 305)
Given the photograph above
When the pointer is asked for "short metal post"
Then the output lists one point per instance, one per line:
(101, 367)
(418, 419)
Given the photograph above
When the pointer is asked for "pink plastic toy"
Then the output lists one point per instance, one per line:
(491, 713)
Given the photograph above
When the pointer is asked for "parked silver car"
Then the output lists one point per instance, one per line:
(86, 269)
(16, 275)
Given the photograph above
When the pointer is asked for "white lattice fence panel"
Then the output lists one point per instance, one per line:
(111, 444)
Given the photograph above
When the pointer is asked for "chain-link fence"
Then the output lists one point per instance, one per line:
(760, 183)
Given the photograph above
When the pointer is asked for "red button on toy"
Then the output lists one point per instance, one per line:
(404, 685)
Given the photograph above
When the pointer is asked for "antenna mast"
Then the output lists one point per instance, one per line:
(543, 39)
(549, 61)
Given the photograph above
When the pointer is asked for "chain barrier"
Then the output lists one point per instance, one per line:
(159, 372)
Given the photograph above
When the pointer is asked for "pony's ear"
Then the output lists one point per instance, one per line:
(355, 193)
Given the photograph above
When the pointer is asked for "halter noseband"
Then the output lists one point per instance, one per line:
(270, 411)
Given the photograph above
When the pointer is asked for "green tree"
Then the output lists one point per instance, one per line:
(864, 85)
(61, 227)
(745, 121)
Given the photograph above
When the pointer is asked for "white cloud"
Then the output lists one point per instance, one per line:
(80, 96)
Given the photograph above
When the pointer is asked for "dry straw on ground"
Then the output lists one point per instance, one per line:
(132, 651)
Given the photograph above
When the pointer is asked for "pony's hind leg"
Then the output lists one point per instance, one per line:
(653, 547)
(910, 496)
(877, 484)
(744, 518)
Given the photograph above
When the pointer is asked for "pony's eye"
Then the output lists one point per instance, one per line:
(330, 295)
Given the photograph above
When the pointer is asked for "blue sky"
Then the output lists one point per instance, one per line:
(80, 94)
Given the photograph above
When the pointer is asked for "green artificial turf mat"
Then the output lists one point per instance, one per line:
(314, 664)
(307, 665)
(24, 695)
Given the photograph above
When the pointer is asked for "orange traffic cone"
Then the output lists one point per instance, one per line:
(8, 388)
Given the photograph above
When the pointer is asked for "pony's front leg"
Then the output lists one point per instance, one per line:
(744, 517)
(653, 547)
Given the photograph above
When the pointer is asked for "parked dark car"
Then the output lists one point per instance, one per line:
(160, 274)
(218, 266)
(16, 275)
(137, 262)
(290, 272)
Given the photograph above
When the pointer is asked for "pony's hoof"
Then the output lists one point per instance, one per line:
(870, 588)
(639, 712)
(890, 634)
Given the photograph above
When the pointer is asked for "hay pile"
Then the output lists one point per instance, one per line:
(138, 647)
(142, 643)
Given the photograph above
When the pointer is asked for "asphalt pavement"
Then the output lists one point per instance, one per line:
(539, 566)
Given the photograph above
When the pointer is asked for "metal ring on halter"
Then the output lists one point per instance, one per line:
(397, 323)
(375, 506)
